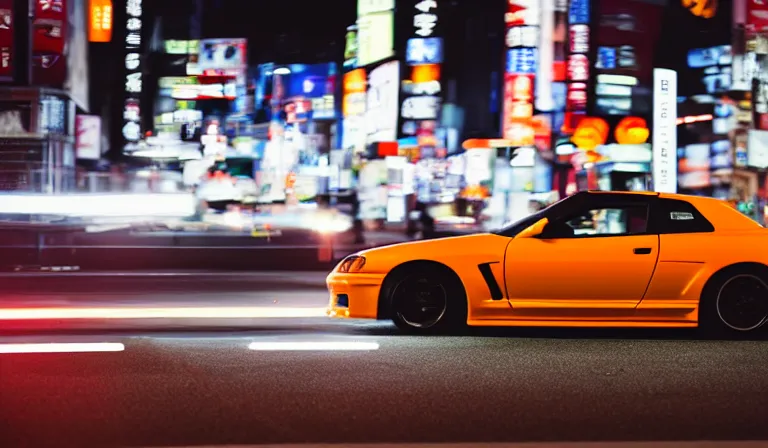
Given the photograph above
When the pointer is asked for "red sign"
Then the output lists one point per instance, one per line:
(576, 98)
(6, 40)
(578, 68)
(579, 39)
(518, 109)
(757, 15)
(49, 67)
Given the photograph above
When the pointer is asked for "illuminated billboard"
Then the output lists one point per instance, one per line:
(382, 103)
(375, 36)
(421, 102)
(133, 46)
(222, 54)
(100, 21)
(522, 39)
(354, 86)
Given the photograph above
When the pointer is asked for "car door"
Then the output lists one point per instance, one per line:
(602, 260)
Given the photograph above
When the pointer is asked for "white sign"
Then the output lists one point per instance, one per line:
(664, 130)
(757, 148)
(133, 81)
(375, 37)
(88, 138)
(382, 102)
(421, 108)
(425, 19)
(522, 36)
(365, 7)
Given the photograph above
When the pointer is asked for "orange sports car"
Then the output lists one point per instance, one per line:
(595, 259)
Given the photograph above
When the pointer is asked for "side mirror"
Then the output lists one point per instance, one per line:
(534, 230)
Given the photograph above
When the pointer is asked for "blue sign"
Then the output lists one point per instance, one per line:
(578, 13)
(308, 81)
(424, 51)
(606, 58)
(521, 61)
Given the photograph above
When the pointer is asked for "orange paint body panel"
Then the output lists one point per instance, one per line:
(628, 280)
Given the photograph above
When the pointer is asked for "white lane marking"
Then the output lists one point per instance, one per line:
(237, 312)
(314, 346)
(63, 347)
(702, 444)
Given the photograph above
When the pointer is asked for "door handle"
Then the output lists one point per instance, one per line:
(642, 250)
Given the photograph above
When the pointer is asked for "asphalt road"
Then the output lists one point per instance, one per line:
(198, 389)
(313, 380)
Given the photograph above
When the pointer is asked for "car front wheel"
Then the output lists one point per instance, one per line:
(427, 300)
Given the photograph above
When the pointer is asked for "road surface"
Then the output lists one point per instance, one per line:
(311, 380)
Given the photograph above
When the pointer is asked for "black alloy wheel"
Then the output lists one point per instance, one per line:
(427, 301)
(742, 303)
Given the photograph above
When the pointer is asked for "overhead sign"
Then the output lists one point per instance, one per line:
(664, 130)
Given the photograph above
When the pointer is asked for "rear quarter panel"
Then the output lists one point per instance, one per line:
(688, 260)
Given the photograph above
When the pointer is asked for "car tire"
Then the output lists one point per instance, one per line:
(427, 299)
(734, 304)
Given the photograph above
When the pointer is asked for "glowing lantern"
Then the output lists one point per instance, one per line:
(591, 133)
(705, 9)
(632, 131)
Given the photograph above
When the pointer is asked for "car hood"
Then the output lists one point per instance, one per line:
(444, 250)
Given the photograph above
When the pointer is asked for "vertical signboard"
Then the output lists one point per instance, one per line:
(6, 40)
(375, 30)
(133, 73)
(353, 110)
(49, 29)
(577, 67)
(100, 20)
(664, 130)
(382, 103)
(88, 137)
(421, 88)
(350, 48)
(522, 41)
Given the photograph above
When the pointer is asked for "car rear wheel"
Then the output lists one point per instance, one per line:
(427, 300)
(737, 304)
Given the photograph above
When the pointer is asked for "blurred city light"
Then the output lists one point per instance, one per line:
(69, 347)
(314, 346)
(161, 313)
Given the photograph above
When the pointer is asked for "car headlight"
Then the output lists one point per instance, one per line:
(352, 263)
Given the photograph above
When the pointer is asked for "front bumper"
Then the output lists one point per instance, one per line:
(354, 295)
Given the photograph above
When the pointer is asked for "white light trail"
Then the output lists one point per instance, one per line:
(314, 346)
(76, 347)
(161, 313)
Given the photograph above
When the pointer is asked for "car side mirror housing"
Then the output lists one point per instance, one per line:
(535, 229)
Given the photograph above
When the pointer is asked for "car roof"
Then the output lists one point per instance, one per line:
(638, 193)
(720, 213)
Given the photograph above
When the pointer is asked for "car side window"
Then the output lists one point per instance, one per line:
(602, 221)
(676, 216)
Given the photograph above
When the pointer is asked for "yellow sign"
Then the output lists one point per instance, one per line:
(100, 21)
